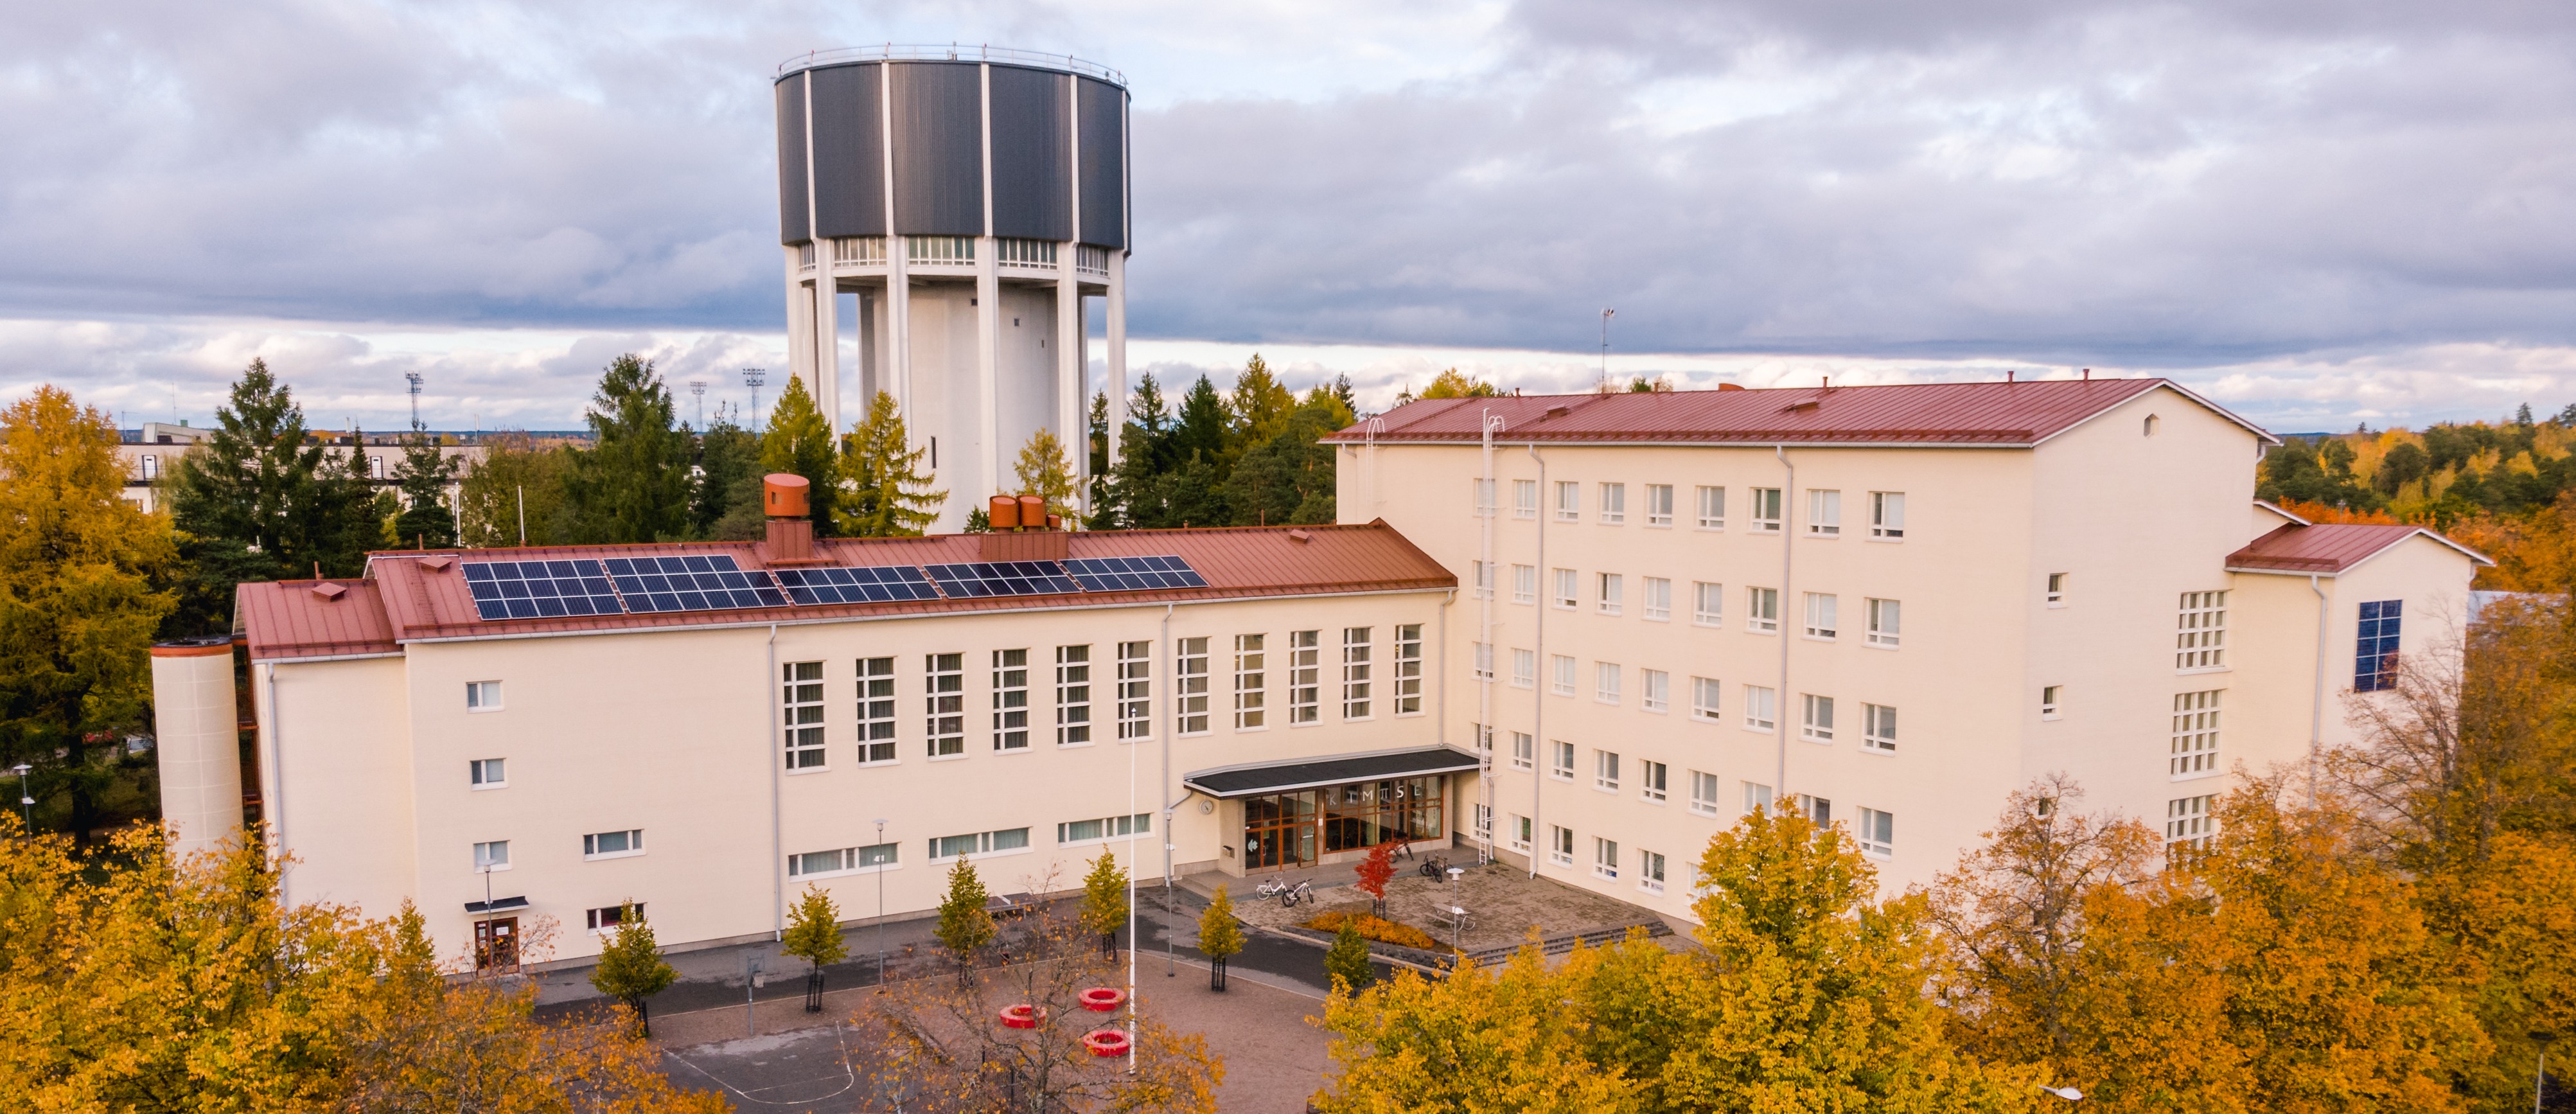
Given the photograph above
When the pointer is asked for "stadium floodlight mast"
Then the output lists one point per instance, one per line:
(698, 388)
(1606, 315)
(753, 377)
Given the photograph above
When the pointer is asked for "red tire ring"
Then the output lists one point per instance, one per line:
(1105, 1043)
(1022, 1016)
(1102, 999)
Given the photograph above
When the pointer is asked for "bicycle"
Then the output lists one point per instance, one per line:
(1435, 866)
(1287, 894)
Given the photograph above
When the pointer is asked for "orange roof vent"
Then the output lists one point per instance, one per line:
(783, 495)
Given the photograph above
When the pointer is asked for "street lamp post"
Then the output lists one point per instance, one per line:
(881, 903)
(26, 802)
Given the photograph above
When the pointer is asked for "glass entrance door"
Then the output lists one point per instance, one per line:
(496, 943)
(1279, 830)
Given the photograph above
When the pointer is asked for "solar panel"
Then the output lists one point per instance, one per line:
(1002, 578)
(1132, 574)
(539, 589)
(843, 584)
(698, 582)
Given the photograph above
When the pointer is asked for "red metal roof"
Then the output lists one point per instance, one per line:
(402, 601)
(1997, 414)
(2330, 547)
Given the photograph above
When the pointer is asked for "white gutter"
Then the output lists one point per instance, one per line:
(273, 806)
(769, 746)
(2317, 698)
(1170, 704)
(1492, 510)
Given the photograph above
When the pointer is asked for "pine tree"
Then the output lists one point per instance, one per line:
(1258, 405)
(1346, 963)
(632, 485)
(427, 519)
(1220, 936)
(725, 504)
(1043, 471)
(1202, 428)
(256, 501)
(1098, 441)
(1104, 900)
(965, 926)
(800, 442)
(882, 496)
(814, 935)
(631, 968)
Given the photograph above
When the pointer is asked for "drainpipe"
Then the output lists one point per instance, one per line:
(273, 805)
(1492, 510)
(1780, 700)
(2317, 698)
(777, 858)
(1538, 692)
(1441, 708)
(1171, 962)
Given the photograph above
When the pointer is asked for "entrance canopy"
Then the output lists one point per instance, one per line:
(1253, 780)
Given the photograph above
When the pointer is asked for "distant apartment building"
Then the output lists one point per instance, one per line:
(150, 455)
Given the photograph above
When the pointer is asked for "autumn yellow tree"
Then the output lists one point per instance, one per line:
(1043, 471)
(1453, 384)
(1513, 1038)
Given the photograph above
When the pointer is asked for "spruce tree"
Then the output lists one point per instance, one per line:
(1202, 429)
(725, 503)
(427, 519)
(631, 968)
(882, 494)
(799, 441)
(259, 500)
(632, 484)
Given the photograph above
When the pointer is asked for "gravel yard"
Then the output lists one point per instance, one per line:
(1503, 906)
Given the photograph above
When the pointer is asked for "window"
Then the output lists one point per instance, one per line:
(1659, 599)
(1010, 700)
(1135, 690)
(1817, 810)
(492, 856)
(1887, 515)
(1251, 682)
(608, 918)
(1708, 604)
(1605, 858)
(1072, 695)
(1605, 682)
(1524, 669)
(151, 467)
(841, 861)
(1824, 513)
(2374, 658)
(1520, 832)
(1659, 504)
(2057, 589)
(979, 843)
(1652, 780)
(1565, 594)
(876, 710)
(2200, 637)
(482, 696)
(945, 683)
(1756, 797)
(2051, 698)
(1569, 501)
(1822, 620)
(1110, 827)
(1655, 688)
(1484, 822)
(1816, 718)
(1560, 760)
(800, 712)
(1877, 833)
(1766, 510)
(1560, 845)
(1484, 577)
(2195, 734)
(1305, 676)
(1484, 660)
(613, 845)
(2147, 428)
(1484, 490)
(1613, 593)
(1525, 584)
(1605, 771)
(1524, 751)
(1482, 736)
(1358, 701)
(1760, 706)
(1650, 872)
(1191, 668)
(1712, 508)
(488, 773)
(1878, 728)
(1524, 498)
(1703, 798)
(375, 467)
(1614, 504)
(2188, 826)
(1704, 698)
(1408, 669)
(1563, 683)
(1886, 621)
(1762, 610)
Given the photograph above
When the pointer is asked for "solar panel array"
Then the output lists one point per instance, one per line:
(539, 589)
(1131, 574)
(558, 588)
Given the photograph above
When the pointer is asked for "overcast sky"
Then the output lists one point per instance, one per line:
(2322, 212)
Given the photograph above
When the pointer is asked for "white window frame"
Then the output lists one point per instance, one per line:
(1876, 833)
(1614, 504)
(1520, 833)
(1762, 610)
(2189, 824)
(1408, 669)
(1878, 728)
(1560, 846)
(2194, 751)
(1605, 858)
(1767, 505)
(1011, 700)
(2056, 591)
(1711, 507)
(1560, 760)
(482, 696)
(800, 716)
(1815, 717)
(1251, 682)
(1305, 678)
(1655, 690)
(1708, 604)
(1757, 796)
(1887, 516)
(1524, 751)
(1886, 622)
(488, 773)
(598, 922)
(1650, 871)
(1481, 660)
(1484, 822)
(2052, 701)
(1524, 498)
(1483, 577)
(2200, 633)
(1561, 679)
(1525, 585)
(1824, 616)
(1569, 501)
(874, 709)
(1482, 496)
(590, 842)
(1703, 797)
(987, 845)
(1654, 781)
(1824, 513)
(1190, 695)
(870, 859)
(944, 700)
(1659, 505)
(492, 855)
(1524, 668)
(1708, 700)
(1073, 696)
(1761, 708)
(1107, 829)
(1135, 691)
(1605, 770)
(1606, 678)
(1611, 595)
(1659, 599)
(1568, 589)
(1359, 672)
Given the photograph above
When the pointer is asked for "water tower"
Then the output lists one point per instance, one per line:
(945, 211)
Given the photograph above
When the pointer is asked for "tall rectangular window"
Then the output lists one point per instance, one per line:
(1305, 676)
(1708, 604)
(1878, 727)
(801, 712)
(1524, 751)
(1072, 695)
(2195, 734)
(2057, 589)
(1613, 593)
(1524, 498)
(1520, 832)
(1010, 700)
(1251, 682)
(1569, 501)
(1704, 698)
(1877, 833)
(151, 466)
(944, 683)
(1887, 515)
(1659, 504)
(1565, 590)
(1762, 610)
(1484, 822)
(1703, 798)
(1650, 871)
(1560, 845)
(1605, 771)
(1655, 688)
(1653, 780)
(1561, 679)
(1135, 690)
(2200, 635)
(1524, 668)
(1766, 510)
(1190, 692)
(1525, 584)
(1823, 619)
(2374, 648)
(1359, 672)
(1408, 669)
(1761, 707)
(1756, 797)
(1484, 490)
(2189, 822)
(1816, 717)
(1659, 599)
(1605, 858)
(1484, 658)
(1824, 513)
(1484, 578)
(1886, 621)
(1712, 508)
(2051, 697)
(1605, 682)
(1614, 504)
(1560, 760)
(876, 710)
